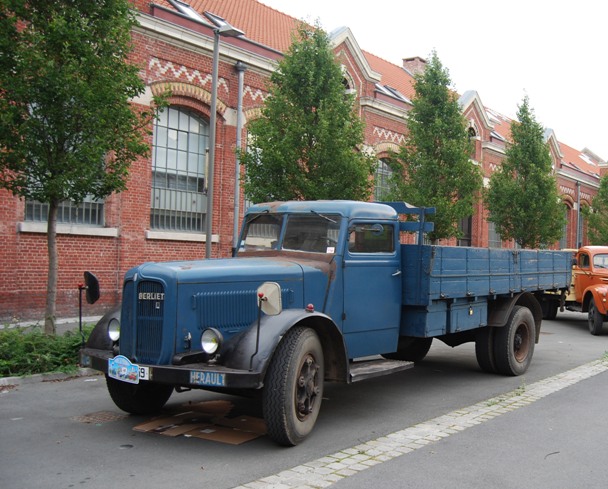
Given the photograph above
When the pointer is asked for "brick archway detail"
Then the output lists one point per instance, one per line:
(187, 90)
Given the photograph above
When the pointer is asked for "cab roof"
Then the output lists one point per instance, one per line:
(346, 208)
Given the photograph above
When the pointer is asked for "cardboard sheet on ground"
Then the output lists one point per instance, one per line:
(207, 420)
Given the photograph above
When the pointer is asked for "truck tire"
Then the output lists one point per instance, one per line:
(293, 387)
(549, 309)
(514, 342)
(595, 319)
(484, 349)
(143, 398)
(410, 349)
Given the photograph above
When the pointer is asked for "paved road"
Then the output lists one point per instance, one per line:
(442, 423)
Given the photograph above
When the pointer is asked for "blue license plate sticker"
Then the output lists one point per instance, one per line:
(212, 379)
(121, 368)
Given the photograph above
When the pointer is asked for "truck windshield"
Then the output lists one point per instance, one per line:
(600, 261)
(312, 232)
(262, 232)
(315, 233)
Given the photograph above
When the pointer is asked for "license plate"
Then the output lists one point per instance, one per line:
(121, 368)
(212, 379)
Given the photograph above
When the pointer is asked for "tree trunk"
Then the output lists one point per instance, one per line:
(51, 287)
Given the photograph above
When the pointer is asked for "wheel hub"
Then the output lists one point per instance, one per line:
(307, 387)
(520, 343)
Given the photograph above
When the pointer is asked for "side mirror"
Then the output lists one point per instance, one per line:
(92, 287)
(269, 295)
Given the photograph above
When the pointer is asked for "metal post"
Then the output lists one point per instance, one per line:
(240, 68)
(213, 122)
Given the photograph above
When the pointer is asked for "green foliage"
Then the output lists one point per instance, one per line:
(433, 167)
(66, 125)
(305, 144)
(30, 351)
(67, 128)
(597, 215)
(522, 197)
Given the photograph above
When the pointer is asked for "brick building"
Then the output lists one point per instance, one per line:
(162, 214)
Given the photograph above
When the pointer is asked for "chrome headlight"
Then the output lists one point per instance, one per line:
(211, 340)
(114, 329)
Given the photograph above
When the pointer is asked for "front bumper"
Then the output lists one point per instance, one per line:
(194, 375)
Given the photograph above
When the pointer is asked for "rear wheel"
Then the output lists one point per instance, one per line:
(410, 349)
(484, 349)
(143, 398)
(549, 309)
(595, 319)
(514, 342)
(293, 387)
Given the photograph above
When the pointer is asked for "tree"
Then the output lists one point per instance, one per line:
(522, 197)
(67, 129)
(597, 215)
(306, 144)
(433, 167)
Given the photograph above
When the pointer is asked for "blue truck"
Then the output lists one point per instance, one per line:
(318, 291)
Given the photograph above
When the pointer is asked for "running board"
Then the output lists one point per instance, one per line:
(375, 368)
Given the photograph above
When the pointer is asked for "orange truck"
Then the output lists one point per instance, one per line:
(589, 289)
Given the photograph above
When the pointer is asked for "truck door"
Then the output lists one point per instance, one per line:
(582, 275)
(372, 288)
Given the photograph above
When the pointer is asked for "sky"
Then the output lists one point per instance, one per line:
(555, 52)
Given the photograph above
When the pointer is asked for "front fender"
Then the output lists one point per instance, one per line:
(600, 297)
(99, 338)
(240, 351)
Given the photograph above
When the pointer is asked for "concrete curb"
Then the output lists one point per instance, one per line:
(33, 379)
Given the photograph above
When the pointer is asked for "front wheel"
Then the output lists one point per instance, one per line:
(595, 319)
(293, 387)
(514, 342)
(143, 398)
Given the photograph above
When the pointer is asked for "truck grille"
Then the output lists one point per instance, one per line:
(141, 334)
(150, 313)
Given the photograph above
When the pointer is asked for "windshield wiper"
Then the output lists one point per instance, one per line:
(324, 217)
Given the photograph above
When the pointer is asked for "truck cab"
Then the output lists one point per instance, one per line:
(590, 286)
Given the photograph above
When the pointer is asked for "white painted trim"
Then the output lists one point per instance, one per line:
(174, 236)
(74, 229)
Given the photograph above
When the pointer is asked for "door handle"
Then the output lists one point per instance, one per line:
(397, 273)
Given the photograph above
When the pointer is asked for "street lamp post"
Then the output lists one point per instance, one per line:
(222, 28)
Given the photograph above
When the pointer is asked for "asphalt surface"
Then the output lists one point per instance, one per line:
(68, 433)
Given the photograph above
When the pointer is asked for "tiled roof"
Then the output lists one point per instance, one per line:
(579, 160)
(392, 75)
(259, 22)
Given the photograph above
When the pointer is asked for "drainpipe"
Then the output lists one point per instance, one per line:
(578, 214)
(240, 68)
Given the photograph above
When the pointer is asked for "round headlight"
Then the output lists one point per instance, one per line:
(114, 329)
(211, 341)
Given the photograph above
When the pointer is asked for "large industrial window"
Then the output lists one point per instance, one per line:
(179, 193)
(88, 213)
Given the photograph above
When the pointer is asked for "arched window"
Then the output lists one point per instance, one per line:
(179, 193)
(465, 226)
(494, 239)
(563, 242)
(382, 180)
